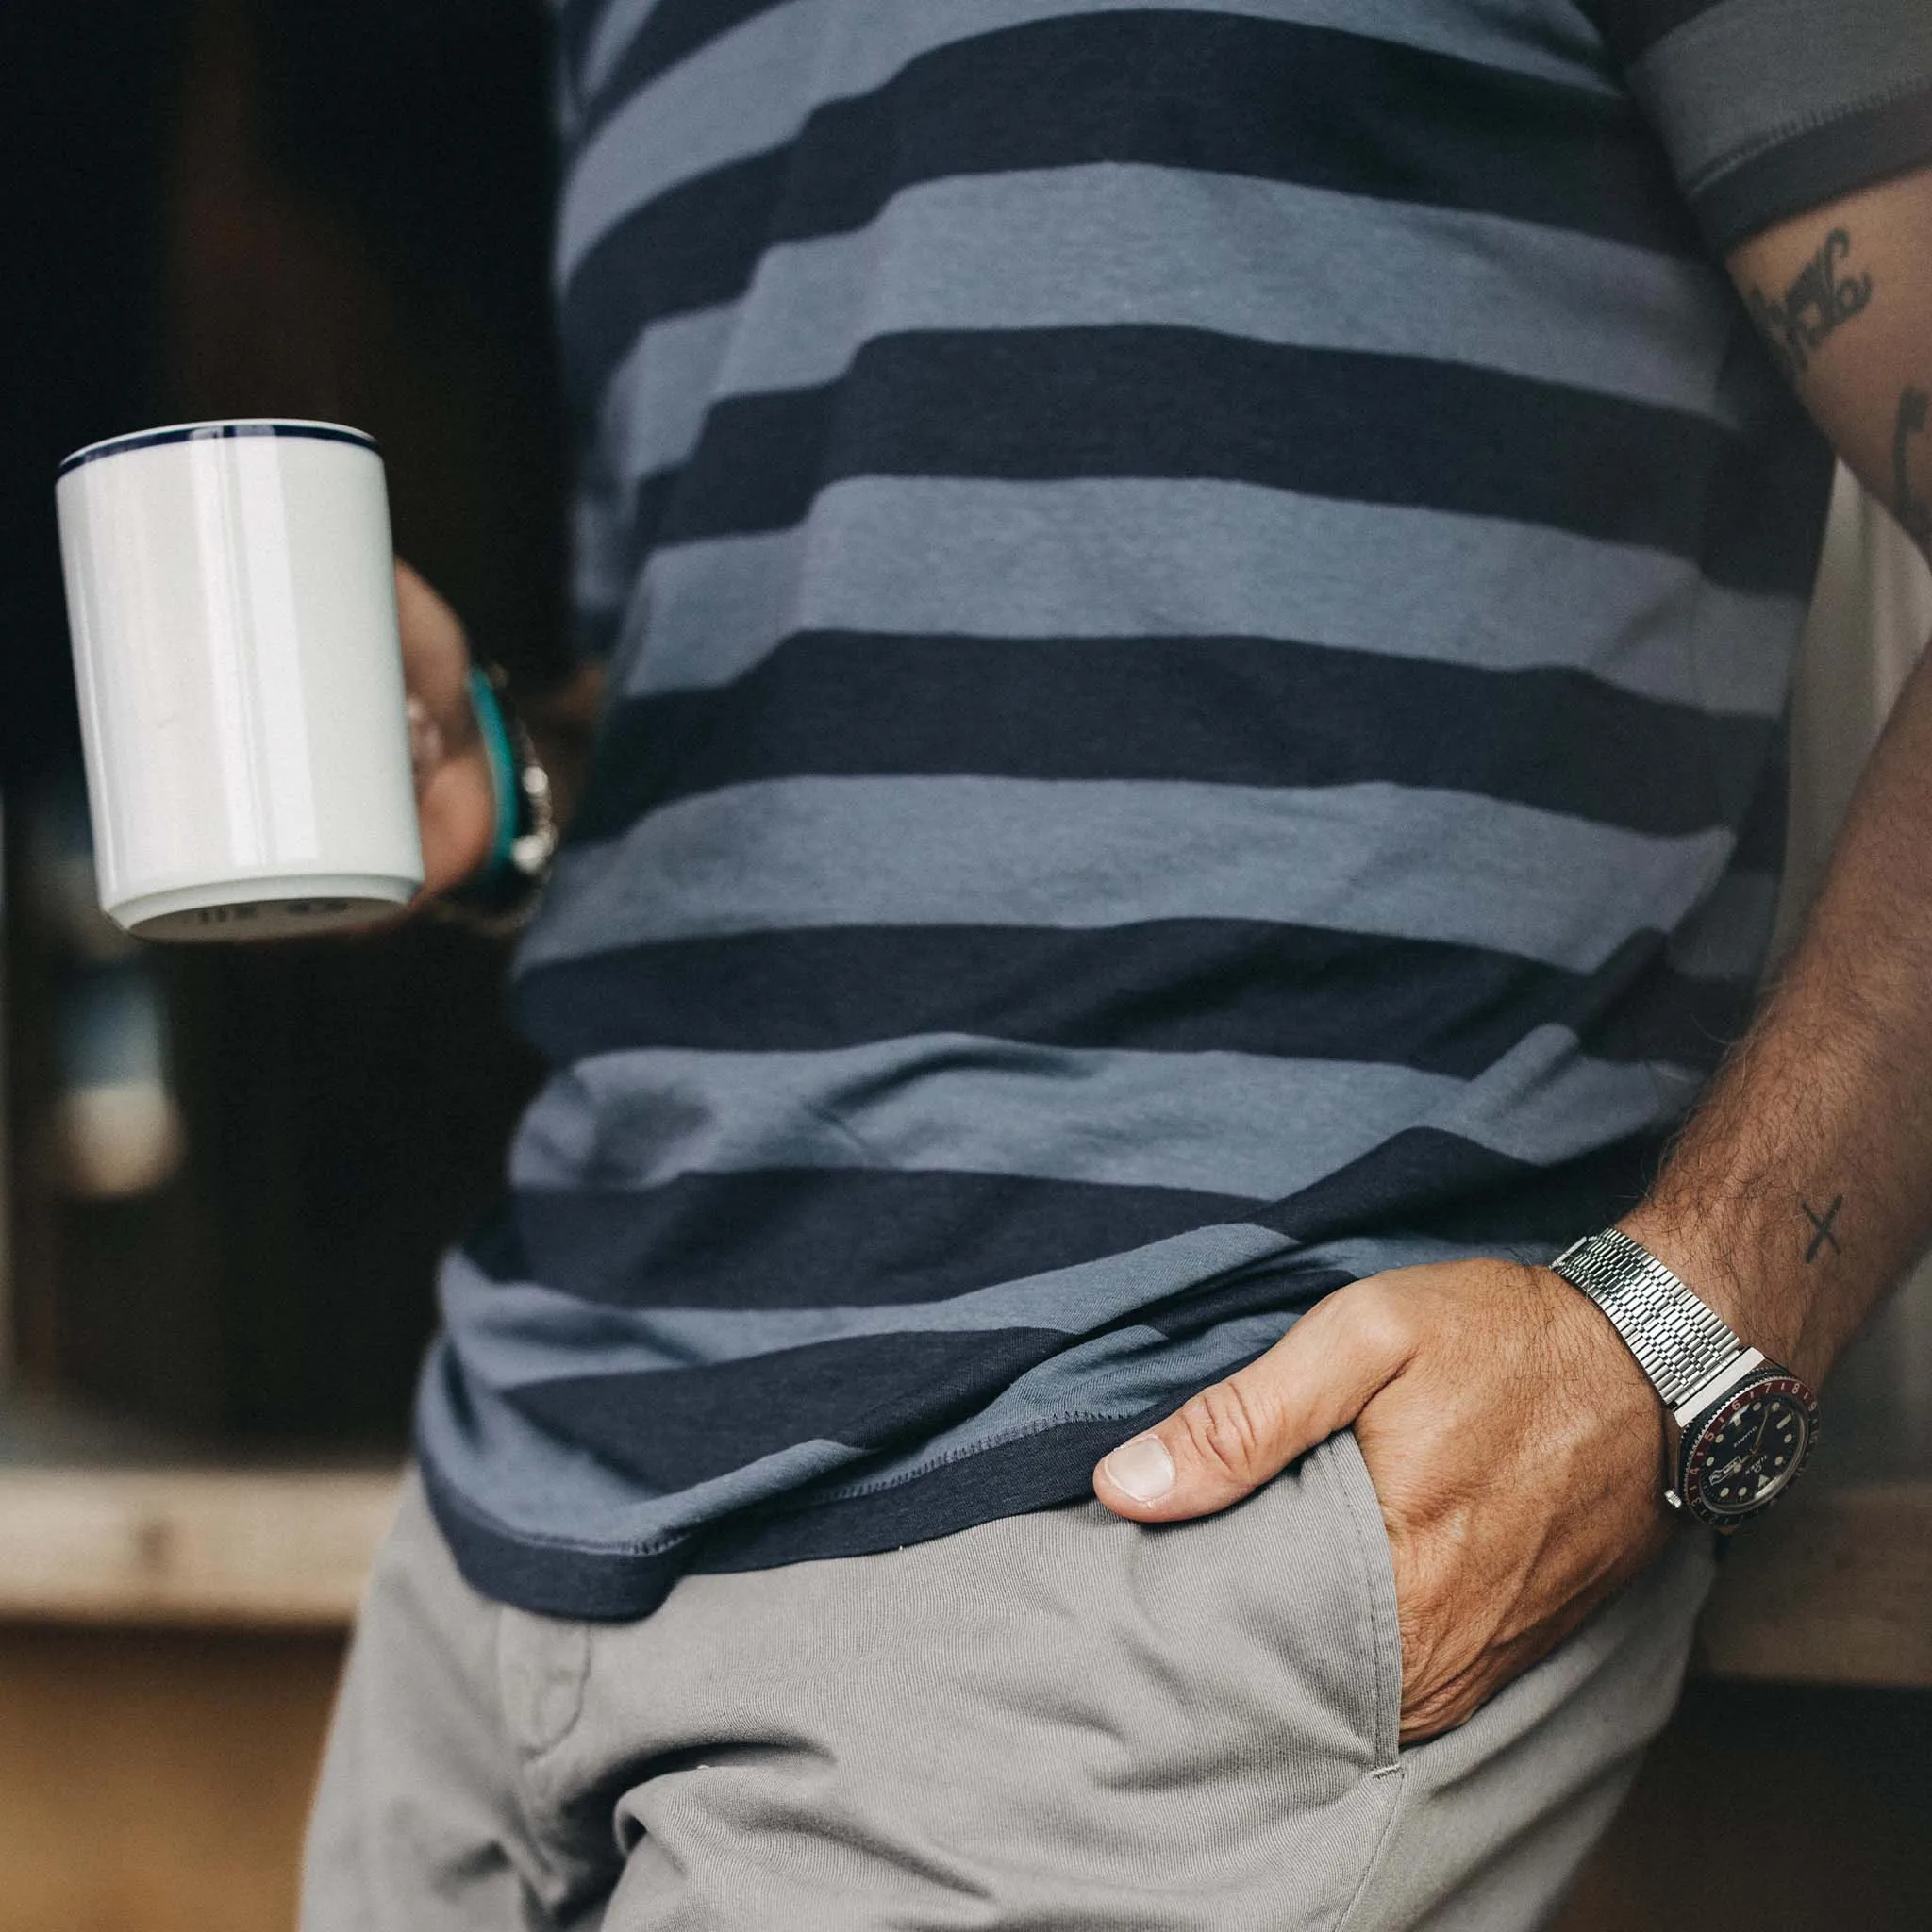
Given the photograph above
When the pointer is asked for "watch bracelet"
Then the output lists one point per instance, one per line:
(1679, 1342)
(499, 899)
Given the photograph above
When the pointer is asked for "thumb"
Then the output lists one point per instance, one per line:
(1230, 1439)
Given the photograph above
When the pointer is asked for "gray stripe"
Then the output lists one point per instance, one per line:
(1140, 557)
(1365, 1254)
(958, 1104)
(1733, 80)
(753, 89)
(1222, 1122)
(1088, 248)
(1726, 937)
(802, 853)
(555, 1493)
(1545, 1101)
(520, 1332)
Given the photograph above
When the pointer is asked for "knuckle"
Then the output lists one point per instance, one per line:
(1384, 1321)
(1431, 1716)
(1225, 1430)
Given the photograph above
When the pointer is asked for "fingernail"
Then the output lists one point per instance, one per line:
(1142, 1468)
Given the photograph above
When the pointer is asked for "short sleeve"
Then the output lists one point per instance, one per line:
(1769, 107)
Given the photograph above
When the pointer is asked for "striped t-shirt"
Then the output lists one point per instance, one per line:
(1199, 601)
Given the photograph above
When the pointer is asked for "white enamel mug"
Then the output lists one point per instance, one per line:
(231, 594)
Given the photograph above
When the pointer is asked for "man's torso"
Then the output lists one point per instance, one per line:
(1199, 600)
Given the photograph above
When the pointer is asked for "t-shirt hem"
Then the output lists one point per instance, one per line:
(1049, 1469)
(1807, 169)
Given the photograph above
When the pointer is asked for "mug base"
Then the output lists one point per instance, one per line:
(296, 907)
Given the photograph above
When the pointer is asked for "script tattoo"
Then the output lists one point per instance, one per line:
(1912, 510)
(1824, 1225)
(1817, 302)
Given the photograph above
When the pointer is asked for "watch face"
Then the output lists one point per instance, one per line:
(1747, 1451)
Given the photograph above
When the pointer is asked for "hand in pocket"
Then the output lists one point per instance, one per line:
(1515, 1447)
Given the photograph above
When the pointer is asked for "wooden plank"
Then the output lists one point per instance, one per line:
(265, 1548)
(1835, 1587)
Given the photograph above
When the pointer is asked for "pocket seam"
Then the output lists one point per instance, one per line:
(1341, 1458)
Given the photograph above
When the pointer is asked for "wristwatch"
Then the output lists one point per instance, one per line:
(1742, 1426)
(501, 895)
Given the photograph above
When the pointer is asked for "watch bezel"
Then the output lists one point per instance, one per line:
(1693, 1450)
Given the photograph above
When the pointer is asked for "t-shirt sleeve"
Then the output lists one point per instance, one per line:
(1770, 108)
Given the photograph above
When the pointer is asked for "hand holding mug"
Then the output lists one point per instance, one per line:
(456, 801)
(233, 600)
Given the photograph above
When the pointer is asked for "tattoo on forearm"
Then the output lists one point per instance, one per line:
(1817, 302)
(1912, 510)
(1824, 1227)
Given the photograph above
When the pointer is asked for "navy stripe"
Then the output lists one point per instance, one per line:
(215, 432)
(1051, 1468)
(1631, 27)
(594, 633)
(868, 1391)
(1199, 92)
(495, 1245)
(826, 1237)
(1427, 1182)
(1763, 826)
(1176, 986)
(1033, 405)
(576, 21)
(1763, 503)
(1208, 709)
(879, 1392)
(877, 1237)
(549, 1579)
(1276, 1288)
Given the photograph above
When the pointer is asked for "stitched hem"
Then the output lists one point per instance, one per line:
(1815, 161)
(1042, 1468)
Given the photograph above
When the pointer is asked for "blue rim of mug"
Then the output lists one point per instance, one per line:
(216, 432)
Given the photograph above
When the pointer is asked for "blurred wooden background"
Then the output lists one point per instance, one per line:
(234, 208)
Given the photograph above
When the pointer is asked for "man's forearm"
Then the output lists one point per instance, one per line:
(1802, 1188)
